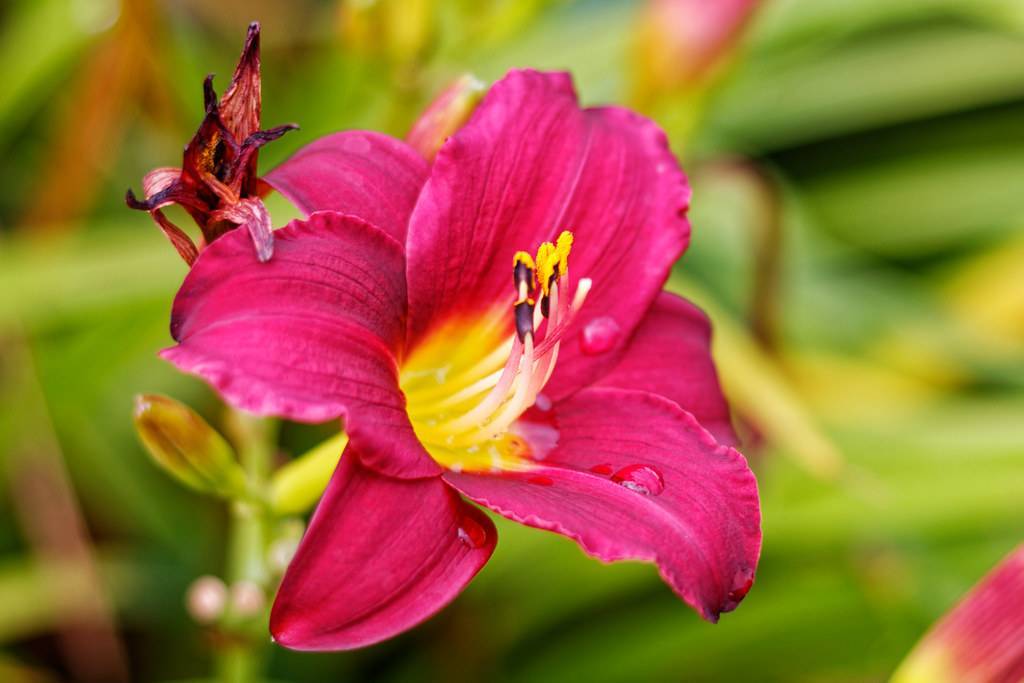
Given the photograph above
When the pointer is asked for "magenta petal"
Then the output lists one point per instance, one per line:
(670, 355)
(634, 477)
(311, 335)
(381, 555)
(528, 164)
(359, 173)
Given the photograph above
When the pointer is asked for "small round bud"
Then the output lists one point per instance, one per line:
(206, 599)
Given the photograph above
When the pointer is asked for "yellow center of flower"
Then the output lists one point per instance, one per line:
(469, 381)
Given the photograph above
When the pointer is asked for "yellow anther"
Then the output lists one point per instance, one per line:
(562, 248)
(547, 259)
(552, 258)
(525, 259)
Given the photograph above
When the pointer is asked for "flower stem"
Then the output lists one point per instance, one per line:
(242, 658)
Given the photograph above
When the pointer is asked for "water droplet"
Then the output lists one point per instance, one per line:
(603, 468)
(599, 336)
(640, 478)
(740, 587)
(543, 403)
(541, 480)
(472, 533)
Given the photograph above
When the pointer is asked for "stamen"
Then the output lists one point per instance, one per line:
(494, 399)
(523, 276)
(524, 319)
(547, 261)
(542, 311)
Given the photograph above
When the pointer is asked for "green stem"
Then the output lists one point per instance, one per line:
(241, 661)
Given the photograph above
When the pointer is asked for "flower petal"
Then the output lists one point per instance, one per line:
(528, 164)
(381, 555)
(670, 355)
(159, 179)
(240, 105)
(311, 335)
(360, 173)
(634, 477)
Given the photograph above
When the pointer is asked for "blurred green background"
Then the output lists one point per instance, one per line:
(858, 172)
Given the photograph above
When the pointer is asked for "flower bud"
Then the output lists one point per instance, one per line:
(297, 486)
(682, 42)
(206, 599)
(189, 449)
(445, 115)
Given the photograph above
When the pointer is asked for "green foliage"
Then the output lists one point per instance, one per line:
(868, 151)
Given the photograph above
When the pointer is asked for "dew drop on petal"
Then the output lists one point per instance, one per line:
(471, 533)
(740, 587)
(640, 478)
(599, 336)
(543, 403)
(603, 468)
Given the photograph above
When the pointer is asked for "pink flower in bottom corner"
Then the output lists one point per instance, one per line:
(490, 327)
(981, 639)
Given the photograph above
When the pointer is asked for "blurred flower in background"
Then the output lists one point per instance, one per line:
(981, 640)
(857, 216)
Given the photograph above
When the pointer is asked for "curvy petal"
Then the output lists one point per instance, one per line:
(310, 335)
(634, 477)
(528, 164)
(670, 355)
(360, 578)
(159, 179)
(359, 173)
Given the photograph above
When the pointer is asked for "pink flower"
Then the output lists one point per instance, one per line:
(217, 181)
(981, 640)
(490, 326)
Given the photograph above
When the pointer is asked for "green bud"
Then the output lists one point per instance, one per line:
(187, 447)
(446, 115)
(297, 486)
